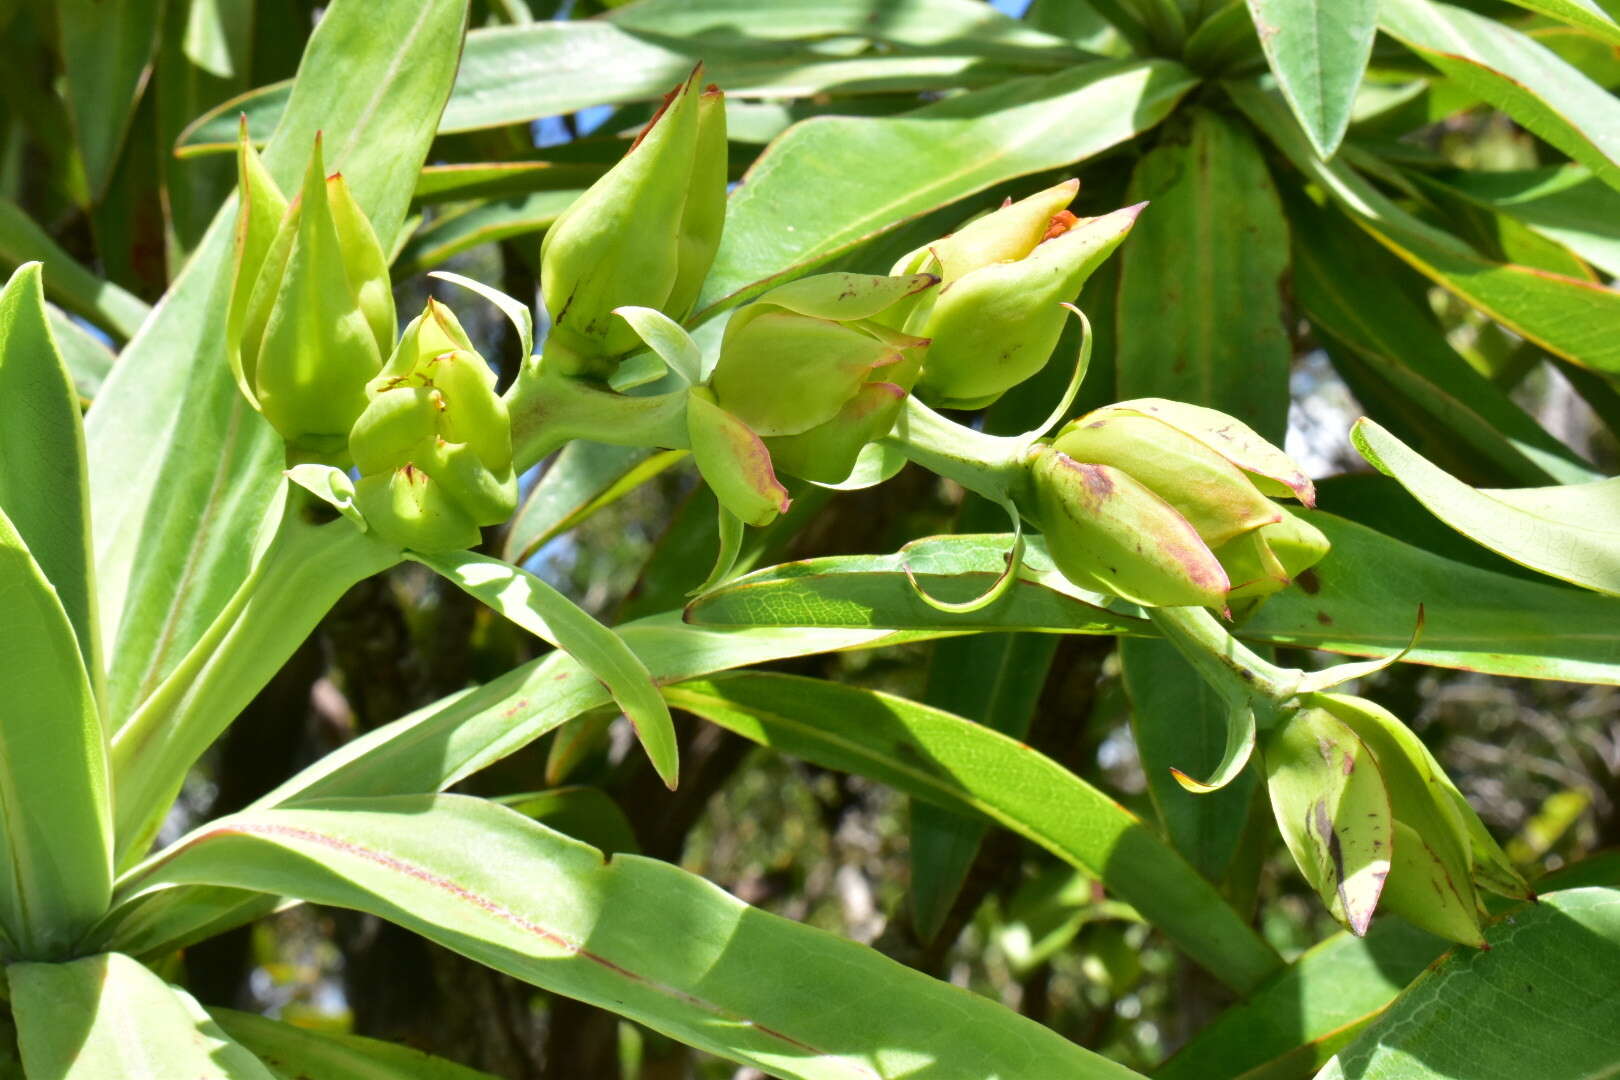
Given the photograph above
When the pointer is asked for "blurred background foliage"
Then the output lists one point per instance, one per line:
(109, 168)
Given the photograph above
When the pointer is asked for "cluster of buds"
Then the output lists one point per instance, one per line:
(311, 312)
(805, 378)
(643, 235)
(1167, 505)
(1004, 278)
(434, 445)
(1374, 822)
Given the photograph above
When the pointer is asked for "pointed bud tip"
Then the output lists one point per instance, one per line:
(1136, 210)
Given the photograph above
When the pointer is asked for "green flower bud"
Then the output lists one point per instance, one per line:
(1333, 810)
(434, 445)
(827, 452)
(733, 461)
(643, 235)
(1333, 768)
(997, 314)
(311, 311)
(808, 368)
(1194, 500)
(1108, 532)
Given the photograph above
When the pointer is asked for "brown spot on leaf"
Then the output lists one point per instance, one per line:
(1308, 581)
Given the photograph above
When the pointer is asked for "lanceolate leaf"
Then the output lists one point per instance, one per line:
(301, 1052)
(110, 307)
(55, 803)
(583, 478)
(520, 73)
(872, 591)
(1570, 532)
(43, 487)
(1562, 955)
(107, 48)
(173, 527)
(780, 221)
(1297, 1021)
(634, 935)
(1564, 203)
(1567, 316)
(551, 616)
(440, 745)
(934, 755)
(996, 680)
(107, 1016)
(1200, 302)
(1318, 50)
(1180, 723)
(1352, 292)
(1517, 75)
(1362, 599)
(301, 572)
(964, 25)
(1585, 14)
(480, 223)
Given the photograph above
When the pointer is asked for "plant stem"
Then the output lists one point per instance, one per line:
(1229, 666)
(548, 410)
(987, 465)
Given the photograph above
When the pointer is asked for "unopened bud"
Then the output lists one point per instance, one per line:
(807, 368)
(998, 313)
(311, 312)
(434, 446)
(643, 235)
(1194, 499)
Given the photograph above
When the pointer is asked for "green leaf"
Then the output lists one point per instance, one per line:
(43, 487)
(515, 74)
(1581, 13)
(86, 355)
(484, 222)
(298, 1053)
(1332, 810)
(107, 48)
(1200, 310)
(1561, 959)
(1362, 599)
(826, 186)
(181, 467)
(299, 572)
(964, 25)
(1513, 72)
(552, 617)
(67, 282)
(55, 799)
(934, 755)
(1568, 317)
(1571, 532)
(585, 813)
(584, 477)
(873, 591)
(1353, 293)
(633, 935)
(1564, 203)
(996, 679)
(1180, 723)
(444, 743)
(1293, 1024)
(1318, 50)
(107, 1016)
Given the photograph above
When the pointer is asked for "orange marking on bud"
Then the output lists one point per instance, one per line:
(1062, 222)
